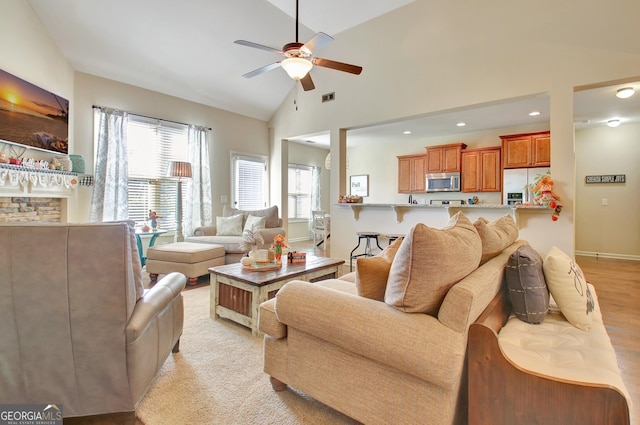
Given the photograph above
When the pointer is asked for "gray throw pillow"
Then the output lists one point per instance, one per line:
(527, 286)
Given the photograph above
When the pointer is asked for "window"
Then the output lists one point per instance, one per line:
(300, 189)
(249, 184)
(151, 145)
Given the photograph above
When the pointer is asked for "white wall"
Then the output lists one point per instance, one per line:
(438, 55)
(614, 229)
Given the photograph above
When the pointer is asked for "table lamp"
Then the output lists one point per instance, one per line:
(179, 170)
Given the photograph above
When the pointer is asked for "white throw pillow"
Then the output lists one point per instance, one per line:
(229, 226)
(255, 223)
(569, 288)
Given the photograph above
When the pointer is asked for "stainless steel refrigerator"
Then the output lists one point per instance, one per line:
(515, 183)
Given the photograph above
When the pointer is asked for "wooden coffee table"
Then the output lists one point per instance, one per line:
(236, 293)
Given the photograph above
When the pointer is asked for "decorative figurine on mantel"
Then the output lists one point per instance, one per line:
(154, 217)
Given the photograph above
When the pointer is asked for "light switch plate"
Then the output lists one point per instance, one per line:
(605, 201)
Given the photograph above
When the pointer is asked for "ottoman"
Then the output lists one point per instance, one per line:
(188, 258)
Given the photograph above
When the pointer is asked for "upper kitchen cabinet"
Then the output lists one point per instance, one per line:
(526, 150)
(481, 170)
(412, 173)
(444, 158)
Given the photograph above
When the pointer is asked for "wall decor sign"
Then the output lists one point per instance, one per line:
(31, 116)
(360, 185)
(606, 178)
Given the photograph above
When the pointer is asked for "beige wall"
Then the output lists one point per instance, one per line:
(614, 229)
(438, 55)
(229, 131)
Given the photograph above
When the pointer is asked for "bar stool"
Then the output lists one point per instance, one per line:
(393, 236)
(367, 236)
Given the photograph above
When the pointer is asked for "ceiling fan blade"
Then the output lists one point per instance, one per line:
(262, 70)
(258, 46)
(307, 82)
(353, 69)
(318, 41)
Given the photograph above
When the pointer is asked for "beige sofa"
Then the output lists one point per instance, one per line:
(78, 328)
(374, 362)
(231, 243)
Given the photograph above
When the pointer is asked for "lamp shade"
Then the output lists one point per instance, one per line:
(179, 169)
(297, 68)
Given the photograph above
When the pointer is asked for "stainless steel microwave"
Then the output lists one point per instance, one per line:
(443, 182)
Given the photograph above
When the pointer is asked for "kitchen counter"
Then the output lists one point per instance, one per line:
(400, 209)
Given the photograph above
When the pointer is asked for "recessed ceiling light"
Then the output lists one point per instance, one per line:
(534, 113)
(461, 124)
(613, 123)
(625, 92)
(406, 132)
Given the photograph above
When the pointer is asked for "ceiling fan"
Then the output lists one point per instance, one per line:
(299, 58)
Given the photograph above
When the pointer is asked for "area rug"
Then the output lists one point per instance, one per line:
(217, 378)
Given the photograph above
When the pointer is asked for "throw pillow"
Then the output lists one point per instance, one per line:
(496, 236)
(527, 286)
(229, 226)
(429, 262)
(254, 223)
(372, 272)
(569, 288)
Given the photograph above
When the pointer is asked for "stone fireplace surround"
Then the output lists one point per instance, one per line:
(34, 195)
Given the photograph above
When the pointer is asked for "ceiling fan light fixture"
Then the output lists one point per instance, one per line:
(297, 68)
(625, 92)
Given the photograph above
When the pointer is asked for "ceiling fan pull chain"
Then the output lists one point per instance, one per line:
(295, 95)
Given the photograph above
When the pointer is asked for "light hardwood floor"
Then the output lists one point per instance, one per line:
(617, 284)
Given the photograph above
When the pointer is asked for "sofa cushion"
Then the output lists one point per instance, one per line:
(429, 262)
(496, 235)
(527, 286)
(270, 213)
(569, 288)
(255, 223)
(372, 272)
(229, 226)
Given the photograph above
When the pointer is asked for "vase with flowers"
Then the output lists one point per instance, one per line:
(278, 244)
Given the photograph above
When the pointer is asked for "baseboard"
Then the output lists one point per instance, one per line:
(608, 255)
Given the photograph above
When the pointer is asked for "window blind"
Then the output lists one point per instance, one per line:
(152, 144)
(250, 182)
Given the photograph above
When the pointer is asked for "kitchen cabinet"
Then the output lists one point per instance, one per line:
(526, 150)
(481, 170)
(444, 158)
(412, 173)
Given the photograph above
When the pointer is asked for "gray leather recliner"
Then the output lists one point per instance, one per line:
(77, 326)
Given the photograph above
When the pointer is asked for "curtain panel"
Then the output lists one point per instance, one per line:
(110, 192)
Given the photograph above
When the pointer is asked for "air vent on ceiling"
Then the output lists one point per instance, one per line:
(328, 97)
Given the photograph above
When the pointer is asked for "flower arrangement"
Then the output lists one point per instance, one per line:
(251, 238)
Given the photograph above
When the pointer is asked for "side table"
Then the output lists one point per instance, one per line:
(154, 235)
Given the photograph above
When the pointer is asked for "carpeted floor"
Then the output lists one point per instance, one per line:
(217, 378)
